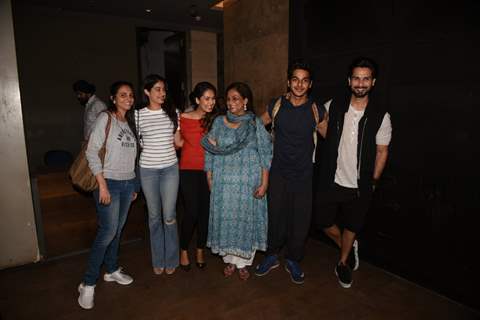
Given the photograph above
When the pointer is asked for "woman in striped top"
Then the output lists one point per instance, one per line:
(157, 127)
(193, 180)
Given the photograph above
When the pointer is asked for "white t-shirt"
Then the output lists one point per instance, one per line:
(346, 174)
(92, 109)
(157, 138)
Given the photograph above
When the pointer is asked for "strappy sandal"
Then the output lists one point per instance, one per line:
(243, 273)
(229, 270)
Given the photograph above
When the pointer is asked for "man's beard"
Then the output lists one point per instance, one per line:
(83, 102)
(361, 94)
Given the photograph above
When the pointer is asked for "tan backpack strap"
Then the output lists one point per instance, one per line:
(316, 116)
(107, 127)
(275, 110)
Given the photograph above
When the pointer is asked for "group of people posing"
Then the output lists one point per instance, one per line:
(244, 189)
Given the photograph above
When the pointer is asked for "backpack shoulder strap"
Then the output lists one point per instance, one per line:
(107, 127)
(275, 110)
(316, 116)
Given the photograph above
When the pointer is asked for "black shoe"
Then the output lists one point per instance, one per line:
(185, 267)
(201, 265)
(344, 275)
(353, 261)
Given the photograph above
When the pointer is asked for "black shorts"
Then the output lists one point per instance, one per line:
(343, 206)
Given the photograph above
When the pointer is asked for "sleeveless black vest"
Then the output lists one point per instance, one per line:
(368, 127)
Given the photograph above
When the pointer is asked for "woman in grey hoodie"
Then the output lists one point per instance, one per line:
(117, 187)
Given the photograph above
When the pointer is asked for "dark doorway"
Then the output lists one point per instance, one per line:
(163, 52)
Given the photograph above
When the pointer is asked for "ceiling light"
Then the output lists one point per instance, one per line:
(148, 10)
(222, 4)
(194, 13)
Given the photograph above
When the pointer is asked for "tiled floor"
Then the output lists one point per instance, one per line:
(48, 291)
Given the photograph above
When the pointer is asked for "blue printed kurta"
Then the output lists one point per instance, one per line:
(238, 221)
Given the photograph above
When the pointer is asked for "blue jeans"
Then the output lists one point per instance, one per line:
(111, 219)
(160, 187)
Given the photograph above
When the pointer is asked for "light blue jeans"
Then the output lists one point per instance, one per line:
(111, 219)
(160, 187)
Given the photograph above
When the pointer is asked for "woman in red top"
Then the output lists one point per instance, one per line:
(193, 180)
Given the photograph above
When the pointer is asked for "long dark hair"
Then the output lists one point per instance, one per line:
(167, 106)
(244, 91)
(198, 92)
(129, 115)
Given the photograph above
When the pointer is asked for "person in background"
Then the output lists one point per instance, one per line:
(85, 93)
(117, 188)
(239, 151)
(193, 180)
(157, 128)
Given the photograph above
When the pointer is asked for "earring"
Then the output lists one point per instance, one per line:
(114, 101)
(245, 107)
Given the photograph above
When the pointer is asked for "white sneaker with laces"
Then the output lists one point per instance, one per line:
(85, 299)
(118, 276)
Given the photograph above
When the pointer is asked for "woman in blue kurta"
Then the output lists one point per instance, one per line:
(239, 152)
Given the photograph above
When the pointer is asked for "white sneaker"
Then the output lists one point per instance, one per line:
(118, 276)
(85, 299)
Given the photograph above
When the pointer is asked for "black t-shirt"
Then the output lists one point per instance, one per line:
(293, 145)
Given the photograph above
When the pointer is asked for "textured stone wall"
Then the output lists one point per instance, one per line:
(256, 47)
(204, 57)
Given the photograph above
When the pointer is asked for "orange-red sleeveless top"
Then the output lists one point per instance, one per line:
(193, 155)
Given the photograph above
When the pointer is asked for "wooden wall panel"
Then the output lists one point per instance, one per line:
(256, 47)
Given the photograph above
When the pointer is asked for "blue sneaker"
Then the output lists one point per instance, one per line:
(296, 273)
(269, 263)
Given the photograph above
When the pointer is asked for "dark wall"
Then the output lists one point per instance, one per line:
(54, 49)
(425, 215)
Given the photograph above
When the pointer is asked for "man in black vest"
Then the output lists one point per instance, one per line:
(295, 119)
(353, 158)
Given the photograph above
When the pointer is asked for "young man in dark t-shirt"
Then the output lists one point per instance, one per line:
(295, 119)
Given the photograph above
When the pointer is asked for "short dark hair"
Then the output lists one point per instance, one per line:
(363, 62)
(299, 64)
(83, 86)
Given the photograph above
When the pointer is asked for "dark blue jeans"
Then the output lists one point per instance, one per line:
(111, 219)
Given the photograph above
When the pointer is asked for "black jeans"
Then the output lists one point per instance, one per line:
(289, 214)
(196, 197)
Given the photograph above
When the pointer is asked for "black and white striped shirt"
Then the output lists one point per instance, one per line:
(157, 138)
